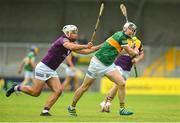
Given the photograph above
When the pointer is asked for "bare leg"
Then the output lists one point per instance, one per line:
(66, 83)
(122, 95)
(56, 88)
(82, 89)
(120, 82)
(76, 82)
(25, 81)
(112, 93)
(33, 90)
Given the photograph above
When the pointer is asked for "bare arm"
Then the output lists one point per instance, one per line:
(87, 51)
(72, 46)
(138, 58)
(21, 66)
(130, 51)
(69, 60)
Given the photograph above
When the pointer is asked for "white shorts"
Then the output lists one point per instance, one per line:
(70, 72)
(125, 74)
(28, 74)
(97, 68)
(43, 72)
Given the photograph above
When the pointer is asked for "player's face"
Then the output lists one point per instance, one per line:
(74, 35)
(130, 32)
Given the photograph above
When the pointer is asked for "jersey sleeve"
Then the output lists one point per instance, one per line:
(65, 40)
(124, 42)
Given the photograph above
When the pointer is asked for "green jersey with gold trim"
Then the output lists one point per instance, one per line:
(27, 66)
(112, 47)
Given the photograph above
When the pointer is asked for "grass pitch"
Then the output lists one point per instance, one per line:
(146, 108)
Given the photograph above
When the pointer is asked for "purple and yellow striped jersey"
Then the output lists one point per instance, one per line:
(124, 61)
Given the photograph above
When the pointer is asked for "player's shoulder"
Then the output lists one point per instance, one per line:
(60, 40)
(66, 40)
(120, 35)
(136, 39)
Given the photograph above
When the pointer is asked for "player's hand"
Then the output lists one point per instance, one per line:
(137, 51)
(134, 60)
(133, 45)
(90, 44)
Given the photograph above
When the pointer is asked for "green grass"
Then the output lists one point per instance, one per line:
(146, 108)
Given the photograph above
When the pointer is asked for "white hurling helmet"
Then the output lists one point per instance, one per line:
(70, 28)
(130, 26)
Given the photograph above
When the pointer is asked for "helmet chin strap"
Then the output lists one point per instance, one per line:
(68, 36)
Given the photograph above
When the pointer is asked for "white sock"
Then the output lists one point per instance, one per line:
(16, 88)
(72, 107)
(102, 104)
(45, 111)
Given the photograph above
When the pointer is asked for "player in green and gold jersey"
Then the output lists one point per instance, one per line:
(28, 63)
(102, 64)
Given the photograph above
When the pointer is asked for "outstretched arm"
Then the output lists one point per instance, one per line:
(87, 51)
(73, 46)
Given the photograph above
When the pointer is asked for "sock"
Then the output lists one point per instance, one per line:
(17, 88)
(45, 110)
(72, 107)
(122, 105)
(102, 104)
(108, 99)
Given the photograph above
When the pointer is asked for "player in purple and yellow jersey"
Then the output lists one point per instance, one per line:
(45, 71)
(124, 64)
(103, 62)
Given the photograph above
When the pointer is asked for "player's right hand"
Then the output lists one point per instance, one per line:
(90, 44)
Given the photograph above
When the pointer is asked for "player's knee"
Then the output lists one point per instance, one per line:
(84, 88)
(36, 93)
(58, 90)
(121, 84)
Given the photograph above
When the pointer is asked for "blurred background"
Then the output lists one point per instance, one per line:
(24, 23)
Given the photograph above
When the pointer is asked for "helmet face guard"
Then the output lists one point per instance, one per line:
(131, 26)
